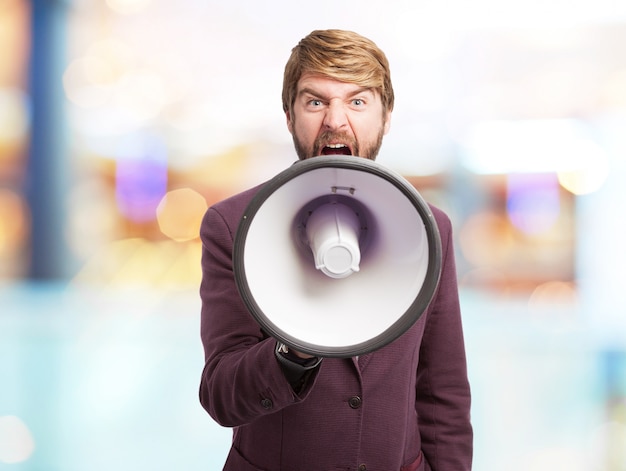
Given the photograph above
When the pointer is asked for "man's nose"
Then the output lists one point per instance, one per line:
(335, 117)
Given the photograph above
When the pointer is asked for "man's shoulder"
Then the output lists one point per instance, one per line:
(237, 202)
(440, 215)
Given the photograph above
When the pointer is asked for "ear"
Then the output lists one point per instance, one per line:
(289, 121)
(387, 124)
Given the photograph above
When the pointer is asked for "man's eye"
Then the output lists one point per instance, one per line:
(315, 103)
(358, 102)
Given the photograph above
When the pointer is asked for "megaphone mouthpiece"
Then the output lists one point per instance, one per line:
(333, 232)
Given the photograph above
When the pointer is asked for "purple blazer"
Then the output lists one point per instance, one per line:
(404, 407)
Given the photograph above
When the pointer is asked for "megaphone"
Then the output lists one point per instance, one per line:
(337, 256)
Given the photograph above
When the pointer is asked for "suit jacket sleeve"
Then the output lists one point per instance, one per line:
(242, 379)
(443, 391)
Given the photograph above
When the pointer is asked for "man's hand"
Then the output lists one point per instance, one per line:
(282, 348)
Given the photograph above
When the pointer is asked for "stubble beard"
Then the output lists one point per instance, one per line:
(369, 152)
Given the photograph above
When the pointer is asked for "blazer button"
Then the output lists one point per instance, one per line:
(266, 403)
(355, 402)
(362, 467)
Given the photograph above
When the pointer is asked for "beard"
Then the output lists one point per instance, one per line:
(319, 147)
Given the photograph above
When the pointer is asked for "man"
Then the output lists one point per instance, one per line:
(403, 407)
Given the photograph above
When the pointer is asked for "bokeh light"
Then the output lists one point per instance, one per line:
(16, 440)
(141, 177)
(589, 170)
(534, 146)
(122, 91)
(88, 81)
(14, 40)
(180, 213)
(14, 222)
(13, 118)
(553, 293)
(486, 240)
(140, 95)
(554, 305)
(533, 202)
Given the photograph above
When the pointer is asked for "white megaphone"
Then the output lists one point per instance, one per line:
(337, 256)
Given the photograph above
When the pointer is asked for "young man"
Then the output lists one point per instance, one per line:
(403, 407)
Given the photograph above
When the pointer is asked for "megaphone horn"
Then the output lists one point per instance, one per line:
(337, 256)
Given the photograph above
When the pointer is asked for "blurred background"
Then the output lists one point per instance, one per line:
(122, 120)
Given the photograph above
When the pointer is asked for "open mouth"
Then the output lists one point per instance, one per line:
(336, 149)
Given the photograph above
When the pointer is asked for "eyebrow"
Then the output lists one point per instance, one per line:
(310, 91)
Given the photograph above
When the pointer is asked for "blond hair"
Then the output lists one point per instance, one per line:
(341, 55)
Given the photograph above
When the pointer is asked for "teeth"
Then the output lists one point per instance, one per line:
(336, 146)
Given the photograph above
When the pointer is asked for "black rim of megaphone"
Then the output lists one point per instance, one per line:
(413, 313)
